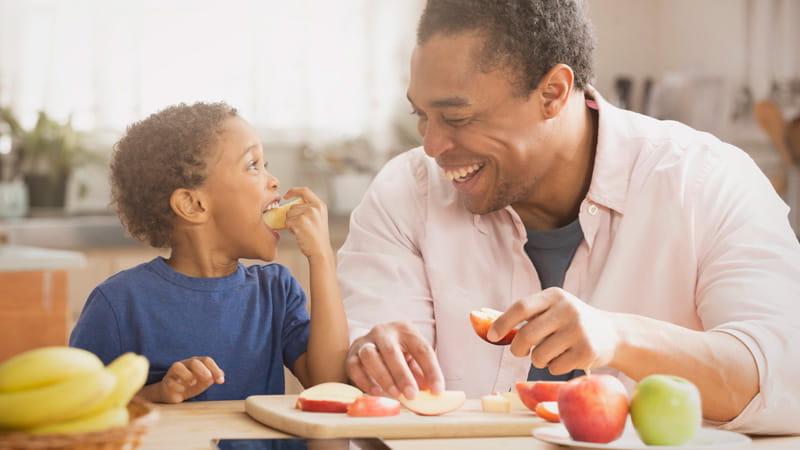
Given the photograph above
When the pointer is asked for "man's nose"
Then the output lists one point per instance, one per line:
(436, 139)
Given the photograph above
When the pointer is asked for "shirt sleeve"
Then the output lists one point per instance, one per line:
(97, 329)
(381, 270)
(749, 284)
(296, 323)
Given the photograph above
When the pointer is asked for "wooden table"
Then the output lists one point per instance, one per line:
(192, 426)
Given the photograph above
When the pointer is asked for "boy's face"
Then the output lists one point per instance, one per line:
(239, 189)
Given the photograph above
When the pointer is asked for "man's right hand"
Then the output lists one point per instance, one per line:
(394, 358)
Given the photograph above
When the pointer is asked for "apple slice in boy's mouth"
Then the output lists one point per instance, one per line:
(275, 216)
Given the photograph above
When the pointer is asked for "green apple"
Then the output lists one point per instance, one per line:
(666, 410)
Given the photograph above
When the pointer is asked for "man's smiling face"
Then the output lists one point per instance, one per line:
(488, 138)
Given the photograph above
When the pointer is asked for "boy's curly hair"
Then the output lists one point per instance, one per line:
(158, 155)
(527, 36)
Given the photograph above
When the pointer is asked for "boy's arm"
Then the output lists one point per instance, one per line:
(328, 340)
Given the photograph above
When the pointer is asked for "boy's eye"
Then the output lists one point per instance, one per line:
(266, 165)
(252, 165)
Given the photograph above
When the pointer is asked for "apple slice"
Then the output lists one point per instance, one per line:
(516, 403)
(533, 392)
(373, 406)
(495, 403)
(275, 218)
(548, 411)
(328, 398)
(427, 404)
(482, 319)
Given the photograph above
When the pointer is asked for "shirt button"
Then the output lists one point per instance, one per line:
(592, 209)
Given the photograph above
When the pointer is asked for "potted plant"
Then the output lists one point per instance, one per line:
(46, 156)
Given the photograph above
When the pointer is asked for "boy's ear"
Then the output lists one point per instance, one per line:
(189, 205)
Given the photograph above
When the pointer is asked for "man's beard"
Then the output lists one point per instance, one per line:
(505, 194)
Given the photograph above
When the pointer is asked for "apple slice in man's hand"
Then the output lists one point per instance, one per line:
(482, 319)
(427, 404)
(328, 398)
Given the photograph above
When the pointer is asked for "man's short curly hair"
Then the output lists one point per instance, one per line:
(527, 36)
(158, 155)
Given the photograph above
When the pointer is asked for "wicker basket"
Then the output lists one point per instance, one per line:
(143, 415)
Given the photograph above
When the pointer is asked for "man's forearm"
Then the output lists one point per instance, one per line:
(720, 365)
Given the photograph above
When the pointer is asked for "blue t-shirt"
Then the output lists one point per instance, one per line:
(252, 323)
(551, 253)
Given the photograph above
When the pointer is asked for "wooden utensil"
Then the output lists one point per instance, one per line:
(769, 117)
(793, 138)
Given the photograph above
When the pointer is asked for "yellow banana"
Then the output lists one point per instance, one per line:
(109, 418)
(131, 372)
(43, 366)
(65, 400)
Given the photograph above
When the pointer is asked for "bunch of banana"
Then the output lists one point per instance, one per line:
(67, 390)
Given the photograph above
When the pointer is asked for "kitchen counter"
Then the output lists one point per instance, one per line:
(193, 425)
(16, 258)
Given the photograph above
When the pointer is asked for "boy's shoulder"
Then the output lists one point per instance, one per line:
(271, 273)
(128, 277)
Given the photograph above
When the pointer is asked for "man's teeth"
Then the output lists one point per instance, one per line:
(461, 173)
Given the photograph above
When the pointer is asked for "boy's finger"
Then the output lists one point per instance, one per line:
(182, 373)
(173, 385)
(305, 193)
(216, 372)
(200, 371)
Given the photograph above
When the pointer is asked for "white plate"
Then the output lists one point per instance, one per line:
(706, 438)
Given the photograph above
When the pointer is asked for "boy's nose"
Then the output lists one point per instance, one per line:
(273, 183)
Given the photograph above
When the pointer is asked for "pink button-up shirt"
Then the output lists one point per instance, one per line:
(678, 226)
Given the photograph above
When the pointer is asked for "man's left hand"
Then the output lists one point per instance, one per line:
(564, 332)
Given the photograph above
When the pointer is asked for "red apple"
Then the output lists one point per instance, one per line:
(328, 398)
(593, 408)
(373, 406)
(482, 319)
(427, 404)
(533, 392)
(548, 411)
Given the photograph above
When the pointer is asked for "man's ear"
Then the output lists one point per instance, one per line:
(555, 89)
(189, 205)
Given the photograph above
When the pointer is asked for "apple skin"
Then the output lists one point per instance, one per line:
(548, 411)
(328, 398)
(373, 406)
(533, 392)
(666, 410)
(482, 319)
(323, 406)
(593, 408)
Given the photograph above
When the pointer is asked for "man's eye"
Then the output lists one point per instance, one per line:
(456, 122)
(418, 113)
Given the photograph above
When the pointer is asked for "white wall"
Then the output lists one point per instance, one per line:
(707, 37)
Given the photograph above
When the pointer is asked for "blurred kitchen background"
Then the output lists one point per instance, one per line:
(324, 82)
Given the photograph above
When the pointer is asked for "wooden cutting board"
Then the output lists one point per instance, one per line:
(278, 411)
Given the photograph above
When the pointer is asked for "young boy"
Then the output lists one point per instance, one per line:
(194, 179)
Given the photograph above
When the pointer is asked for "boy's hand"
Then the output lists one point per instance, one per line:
(188, 378)
(309, 223)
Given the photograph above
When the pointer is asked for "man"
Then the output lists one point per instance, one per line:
(662, 249)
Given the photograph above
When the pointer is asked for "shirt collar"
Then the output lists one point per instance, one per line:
(613, 161)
